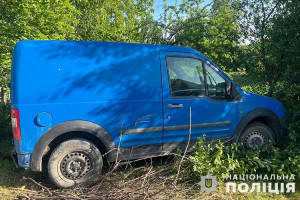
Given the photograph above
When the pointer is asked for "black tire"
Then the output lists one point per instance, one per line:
(75, 162)
(256, 134)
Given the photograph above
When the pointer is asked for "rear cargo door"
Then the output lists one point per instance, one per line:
(189, 82)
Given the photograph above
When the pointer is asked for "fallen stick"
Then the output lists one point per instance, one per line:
(38, 184)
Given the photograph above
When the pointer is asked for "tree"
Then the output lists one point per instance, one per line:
(99, 20)
(256, 24)
(120, 20)
(214, 33)
(29, 20)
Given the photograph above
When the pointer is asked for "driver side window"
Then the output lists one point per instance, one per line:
(186, 77)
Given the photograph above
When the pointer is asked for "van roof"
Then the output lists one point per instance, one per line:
(77, 45)
(100, 43)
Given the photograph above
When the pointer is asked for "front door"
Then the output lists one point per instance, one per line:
(189, 84)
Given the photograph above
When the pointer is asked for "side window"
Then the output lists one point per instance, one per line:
(186, 77)
(216, 84)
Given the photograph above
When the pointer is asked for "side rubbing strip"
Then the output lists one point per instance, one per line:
(143, 130)
(171, 128)
(204, 125)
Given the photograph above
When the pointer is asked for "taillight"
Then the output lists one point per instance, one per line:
(15, 123)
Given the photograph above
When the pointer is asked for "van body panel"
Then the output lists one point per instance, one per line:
(109, 84)
(212, 118)
(250, 102)
(122, 90)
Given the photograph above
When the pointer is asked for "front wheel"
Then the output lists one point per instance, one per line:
(75, 162)
(255, 135)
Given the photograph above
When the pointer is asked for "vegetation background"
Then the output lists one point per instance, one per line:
(257, 42)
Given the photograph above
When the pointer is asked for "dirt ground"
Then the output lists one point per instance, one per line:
(152, 178)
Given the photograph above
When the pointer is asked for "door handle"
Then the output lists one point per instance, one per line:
(175, 105)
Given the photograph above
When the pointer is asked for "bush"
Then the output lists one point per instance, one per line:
(284, 158)
(221, 160)
(5, 122)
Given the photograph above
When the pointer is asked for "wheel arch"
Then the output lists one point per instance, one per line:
(263, 115)
(67, 130)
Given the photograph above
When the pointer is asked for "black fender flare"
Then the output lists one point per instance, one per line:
(69, 126)
(259, 112)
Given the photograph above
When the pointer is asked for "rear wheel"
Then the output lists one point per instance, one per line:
(255, 135)
(75, 162)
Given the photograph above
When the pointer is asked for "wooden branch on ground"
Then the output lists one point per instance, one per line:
(38, 184)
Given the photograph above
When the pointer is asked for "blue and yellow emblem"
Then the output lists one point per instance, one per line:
(208, 183)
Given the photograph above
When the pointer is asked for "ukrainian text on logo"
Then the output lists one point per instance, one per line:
(269, 187)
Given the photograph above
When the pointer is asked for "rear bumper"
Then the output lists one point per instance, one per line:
(22, 160)
(282, 128)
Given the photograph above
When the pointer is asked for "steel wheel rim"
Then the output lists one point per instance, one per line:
(254, 140)
(75, 165)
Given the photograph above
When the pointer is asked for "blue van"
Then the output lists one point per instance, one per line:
(77, 103)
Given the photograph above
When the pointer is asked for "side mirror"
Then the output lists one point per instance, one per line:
(231, 90)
